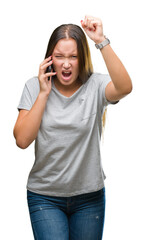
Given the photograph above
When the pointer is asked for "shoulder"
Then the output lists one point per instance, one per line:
(32, 87)
(32, 83)
(98, 79)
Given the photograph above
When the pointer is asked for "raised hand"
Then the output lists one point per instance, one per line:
(93, 28)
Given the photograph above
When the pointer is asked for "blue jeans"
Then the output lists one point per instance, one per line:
(79, 217)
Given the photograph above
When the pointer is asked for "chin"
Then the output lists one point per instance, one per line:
(65, 82)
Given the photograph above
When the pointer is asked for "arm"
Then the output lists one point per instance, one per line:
(121, 84)
(28, 122)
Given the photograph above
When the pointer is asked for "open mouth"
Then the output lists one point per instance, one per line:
(66, 75)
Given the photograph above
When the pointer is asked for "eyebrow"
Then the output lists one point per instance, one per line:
(60, 53)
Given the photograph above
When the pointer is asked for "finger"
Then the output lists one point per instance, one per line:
(94, 25)
(96, 22)
(43, 67)
(83, 24)
(49, 74)
(90, 21)
(46, 60)
(50, 78)
(87, 23)
(90, 25)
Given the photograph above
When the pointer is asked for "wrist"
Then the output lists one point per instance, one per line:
(100, 40)
(102, 44)
(43, 95)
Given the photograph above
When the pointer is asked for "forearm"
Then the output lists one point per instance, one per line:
(26, 129)
(116, 69)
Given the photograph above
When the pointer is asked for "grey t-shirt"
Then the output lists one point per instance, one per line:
(67, 147)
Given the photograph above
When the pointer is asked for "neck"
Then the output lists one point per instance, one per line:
(67, 90)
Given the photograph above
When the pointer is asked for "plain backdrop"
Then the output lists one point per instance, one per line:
(24, 33)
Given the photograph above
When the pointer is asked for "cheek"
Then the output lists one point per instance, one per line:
(76, 67)
(56, 65)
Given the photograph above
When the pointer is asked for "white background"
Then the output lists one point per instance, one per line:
(25, 30)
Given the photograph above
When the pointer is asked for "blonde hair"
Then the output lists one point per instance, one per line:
(104, 122)
(104, 118)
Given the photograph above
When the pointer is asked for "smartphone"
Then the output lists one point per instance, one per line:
(49, 68)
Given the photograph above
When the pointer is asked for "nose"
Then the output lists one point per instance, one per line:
(66, 63)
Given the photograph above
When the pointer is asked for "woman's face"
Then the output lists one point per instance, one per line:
(65, 61)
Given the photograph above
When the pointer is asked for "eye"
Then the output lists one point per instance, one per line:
(58, 56)
(74, 56)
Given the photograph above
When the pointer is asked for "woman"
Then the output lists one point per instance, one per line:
(65, 190)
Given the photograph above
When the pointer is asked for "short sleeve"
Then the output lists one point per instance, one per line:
(29, 94)
(25, 100)
(104, 80)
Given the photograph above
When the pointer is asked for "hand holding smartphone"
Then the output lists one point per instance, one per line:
(46, 72)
